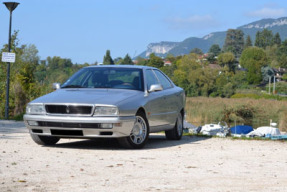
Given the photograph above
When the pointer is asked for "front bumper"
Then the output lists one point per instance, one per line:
(79, 127)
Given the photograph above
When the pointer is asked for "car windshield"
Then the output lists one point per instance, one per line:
(106, 77)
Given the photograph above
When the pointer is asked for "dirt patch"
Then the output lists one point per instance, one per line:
(191, 164)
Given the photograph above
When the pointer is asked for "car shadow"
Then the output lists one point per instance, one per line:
(160, 141)
(155, 142)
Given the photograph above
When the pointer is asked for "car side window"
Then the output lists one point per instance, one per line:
(150, 78)
(166, 84)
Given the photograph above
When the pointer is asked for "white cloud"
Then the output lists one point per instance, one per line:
(267, 12)
(195, 22)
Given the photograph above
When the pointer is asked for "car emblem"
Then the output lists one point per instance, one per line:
(68, 109)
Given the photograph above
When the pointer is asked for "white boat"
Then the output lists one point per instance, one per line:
(265, 131)
(219, 129)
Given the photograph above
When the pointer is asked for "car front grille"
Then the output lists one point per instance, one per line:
(69, 109)
(68, 125)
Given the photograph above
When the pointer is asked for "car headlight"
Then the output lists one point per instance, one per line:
(106, 111)
(35, 109)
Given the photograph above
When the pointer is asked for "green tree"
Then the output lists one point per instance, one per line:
(234, 42)
(58, 63)
(248, 42)
(185, 66)
(276, 39)
(223, 85)
(215, 49)
(196, 51)
(204, 80)
(118, 60)
(227, 59)
(108, 59)
(264, 38)
(253, 58)
(239, 80)
(169, 70)
(271, 53)
(170, 57)
(25, 87)
(282, 54)
(193, 77)
(155, 61)
(127, 60)
(30, 55)
(14, 43)
(211, 58)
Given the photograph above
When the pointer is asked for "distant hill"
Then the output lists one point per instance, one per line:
(180, 48)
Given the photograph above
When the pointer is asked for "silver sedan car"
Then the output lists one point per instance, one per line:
(115, 101)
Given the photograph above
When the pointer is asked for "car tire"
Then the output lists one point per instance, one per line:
(44, 140)
(139, 134)
(177, 131)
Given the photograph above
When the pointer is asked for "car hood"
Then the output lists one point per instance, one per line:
(88, 96)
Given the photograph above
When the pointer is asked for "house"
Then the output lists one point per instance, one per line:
(214, 66)
(167, 63)
(279, 73)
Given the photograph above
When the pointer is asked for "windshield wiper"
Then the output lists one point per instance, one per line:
(72, 86)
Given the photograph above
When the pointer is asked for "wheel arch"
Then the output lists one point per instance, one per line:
(141, 109)
(182, 111)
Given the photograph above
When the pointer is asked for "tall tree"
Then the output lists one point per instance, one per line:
(282, 54)
(127, 60)
(248, 42)
(276, 39)
(264, 38)
(253, 59)
(234, 42)
(108, 59)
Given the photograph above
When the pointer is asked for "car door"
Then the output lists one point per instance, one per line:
(170, 98)
(155, 105)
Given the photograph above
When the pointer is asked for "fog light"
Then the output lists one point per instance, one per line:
(106, 125)
(33, 123)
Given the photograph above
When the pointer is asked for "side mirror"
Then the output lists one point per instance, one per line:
(155, 87)
(56, 86)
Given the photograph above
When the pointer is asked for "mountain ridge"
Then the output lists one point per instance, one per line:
(204, 43)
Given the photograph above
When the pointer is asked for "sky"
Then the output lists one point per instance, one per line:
(83, 30)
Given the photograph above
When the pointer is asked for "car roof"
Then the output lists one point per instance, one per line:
(122, 66)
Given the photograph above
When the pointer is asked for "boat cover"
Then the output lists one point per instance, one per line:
(241, 129)
(264, 131)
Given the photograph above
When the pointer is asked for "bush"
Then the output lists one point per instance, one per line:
(243, 114)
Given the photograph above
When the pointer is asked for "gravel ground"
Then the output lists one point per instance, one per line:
(191, 164)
